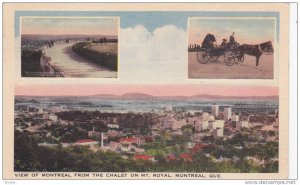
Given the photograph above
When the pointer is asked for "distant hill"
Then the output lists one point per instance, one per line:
(137, 95)
(202, 96)
(33, 101)
(22, 100)
(105, 96)
(127, 95)
(206, 96)
(18, 101)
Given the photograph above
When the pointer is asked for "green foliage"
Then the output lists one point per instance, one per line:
(31, 157)
(103, 59)
(30, 61)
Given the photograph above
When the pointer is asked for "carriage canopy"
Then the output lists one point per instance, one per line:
(208, 40)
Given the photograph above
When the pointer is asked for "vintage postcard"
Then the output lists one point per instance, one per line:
(81, 47)
(145, 91)
(232, 47)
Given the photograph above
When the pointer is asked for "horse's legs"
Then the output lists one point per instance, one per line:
(257, 61)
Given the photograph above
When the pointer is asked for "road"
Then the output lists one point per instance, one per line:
(219, 70)
(69, 64)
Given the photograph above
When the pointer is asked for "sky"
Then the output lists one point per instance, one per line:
(155, 90)
(151, 20)
(63, 26)
(247, 31)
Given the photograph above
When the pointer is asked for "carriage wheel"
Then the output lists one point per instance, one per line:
(203, 56)
(229, 58)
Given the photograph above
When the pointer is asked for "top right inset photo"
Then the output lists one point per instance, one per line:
(231, 48)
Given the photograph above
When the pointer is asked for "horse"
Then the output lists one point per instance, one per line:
(255, 50)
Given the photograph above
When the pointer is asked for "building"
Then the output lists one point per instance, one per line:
(242, 124)
(177, 124)
(166, 123)
(235, 118)
(144, 157)
(227, 113)
(132, 140)
(215, 110)
(94, 133)
(205, 115)
(201, 125)
(113, 126)
(113, 133)
(53, 117)
(218, 132)
(45, 116)
(216, 124)
(168, 109)
(276, 123)
(40, 111)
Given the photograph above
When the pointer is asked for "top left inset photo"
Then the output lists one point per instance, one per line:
(78, 47)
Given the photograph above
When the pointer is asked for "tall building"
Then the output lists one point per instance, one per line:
(227, 113)
(201, 125)
(242, 124)
(216, 124)
(218, 132)
(235, 118)
(215, 110)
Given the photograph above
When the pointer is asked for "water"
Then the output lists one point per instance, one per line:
(119, 105)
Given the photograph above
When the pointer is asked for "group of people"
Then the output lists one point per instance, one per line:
(210, 42)
(231, 44)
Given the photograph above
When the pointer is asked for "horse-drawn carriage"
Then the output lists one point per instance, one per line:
(209, 52)
(232, 51)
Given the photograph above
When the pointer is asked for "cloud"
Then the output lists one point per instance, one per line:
(159, 56)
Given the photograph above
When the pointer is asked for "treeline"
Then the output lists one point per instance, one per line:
(104, 59)
(28, 156)
(193, 47)
(104, 40)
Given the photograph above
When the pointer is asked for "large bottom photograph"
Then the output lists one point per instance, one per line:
(146, 128)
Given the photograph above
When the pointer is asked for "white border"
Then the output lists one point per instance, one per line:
(293, 143)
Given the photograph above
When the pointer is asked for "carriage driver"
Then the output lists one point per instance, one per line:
(231, 38)
(232, 43)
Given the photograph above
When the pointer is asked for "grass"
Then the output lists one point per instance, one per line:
(101, 54)
(109, 48)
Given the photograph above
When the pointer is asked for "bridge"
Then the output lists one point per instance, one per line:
(256, 106)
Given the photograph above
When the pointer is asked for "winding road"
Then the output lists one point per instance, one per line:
(69, 64)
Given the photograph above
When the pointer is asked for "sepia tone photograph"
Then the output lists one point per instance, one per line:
(136, 128)
(235, 48)
(69, 47)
